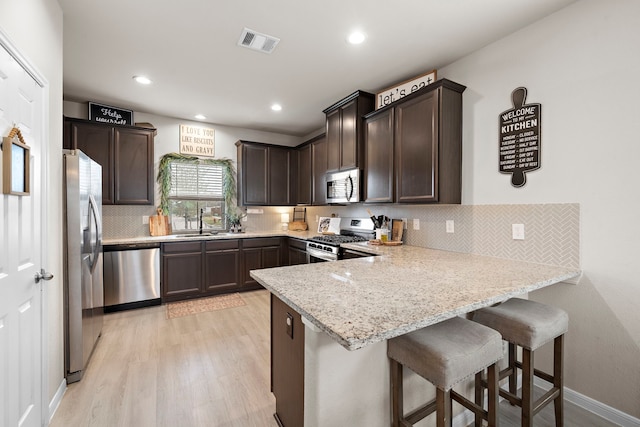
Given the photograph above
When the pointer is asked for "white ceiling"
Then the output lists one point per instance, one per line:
(189, 50)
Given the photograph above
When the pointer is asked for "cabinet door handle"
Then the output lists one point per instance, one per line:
(289, 325)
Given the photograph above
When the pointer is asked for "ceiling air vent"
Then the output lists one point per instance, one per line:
(258, 41)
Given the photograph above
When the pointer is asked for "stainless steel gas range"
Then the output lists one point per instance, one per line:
(327, 247)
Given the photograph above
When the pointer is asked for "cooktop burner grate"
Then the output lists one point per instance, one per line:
(337, 239)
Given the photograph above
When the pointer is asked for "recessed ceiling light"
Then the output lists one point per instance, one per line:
(356, 37)
(276, 107)
(200, 117)
(142, 80)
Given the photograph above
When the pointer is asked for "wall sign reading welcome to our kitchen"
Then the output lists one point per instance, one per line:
(393, 93)
(197, 141)
(520, 138)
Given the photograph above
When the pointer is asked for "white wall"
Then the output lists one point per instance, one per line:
(582, 65)
(35, 28)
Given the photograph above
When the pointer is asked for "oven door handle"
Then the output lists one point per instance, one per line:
(321, 255)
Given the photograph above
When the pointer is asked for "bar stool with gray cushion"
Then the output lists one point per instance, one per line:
(445, 354)
(528, 324)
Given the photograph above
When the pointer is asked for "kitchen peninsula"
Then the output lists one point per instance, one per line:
(350, 308)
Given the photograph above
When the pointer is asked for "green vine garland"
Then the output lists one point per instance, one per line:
(164, 177)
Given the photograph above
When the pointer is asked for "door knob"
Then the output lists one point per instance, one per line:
(43, 275)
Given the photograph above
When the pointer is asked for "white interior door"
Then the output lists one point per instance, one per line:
(21, 99)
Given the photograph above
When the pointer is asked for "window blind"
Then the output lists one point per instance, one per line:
(196, 181)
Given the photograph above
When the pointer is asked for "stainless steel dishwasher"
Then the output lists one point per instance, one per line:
(131, 276)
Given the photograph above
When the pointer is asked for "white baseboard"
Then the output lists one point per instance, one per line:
(595, 407)
(591, 405)
(57, 398)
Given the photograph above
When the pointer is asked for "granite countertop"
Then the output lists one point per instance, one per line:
(362, 301)
(178, 238)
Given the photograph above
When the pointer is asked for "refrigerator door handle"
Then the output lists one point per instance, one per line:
(96, 246)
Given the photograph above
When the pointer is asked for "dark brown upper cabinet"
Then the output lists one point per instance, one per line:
(379, 180)
(283, 170)
(312, 167)
(422, 132)
(125, 154)
(305, 180)
(252, 174)
(266, 174)
(319, 170)
(344, 131)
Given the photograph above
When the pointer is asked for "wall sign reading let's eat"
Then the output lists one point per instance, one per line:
(391, 94)
(520, 138)
(197, 141)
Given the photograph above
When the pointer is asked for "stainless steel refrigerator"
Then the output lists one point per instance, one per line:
(83, 284)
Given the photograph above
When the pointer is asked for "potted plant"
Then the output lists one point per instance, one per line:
(234, 216)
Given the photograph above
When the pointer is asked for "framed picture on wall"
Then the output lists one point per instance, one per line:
(15, 166)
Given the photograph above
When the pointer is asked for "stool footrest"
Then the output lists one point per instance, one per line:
(420, 413)
(476, 409)
(537, 372)
(544, 399)
(515, 400)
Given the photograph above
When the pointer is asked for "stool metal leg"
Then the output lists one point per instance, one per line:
(527, 388)
(558, 382)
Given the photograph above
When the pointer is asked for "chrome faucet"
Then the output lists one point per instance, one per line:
(201, 213)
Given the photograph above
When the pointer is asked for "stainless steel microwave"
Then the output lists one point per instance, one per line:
(343, 187)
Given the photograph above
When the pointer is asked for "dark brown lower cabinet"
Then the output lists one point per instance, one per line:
(210, 267)
(181, 270)
(221, 266)
(287, 363)
(297, 252)
(196, 269)
(262, 252)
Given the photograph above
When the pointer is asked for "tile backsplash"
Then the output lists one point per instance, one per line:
(126, 220)
(552, 231)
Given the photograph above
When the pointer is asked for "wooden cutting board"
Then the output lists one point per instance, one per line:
(397, 229)
(159, 224)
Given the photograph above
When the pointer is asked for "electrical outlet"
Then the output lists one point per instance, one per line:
(405, 223)
(416, 224)
(517, 231)
(145, 219)
(317, 218)
(255, 211)
(450, 226)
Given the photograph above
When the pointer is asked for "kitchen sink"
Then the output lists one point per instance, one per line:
(200, 235)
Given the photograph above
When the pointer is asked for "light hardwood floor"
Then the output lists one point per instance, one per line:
(209, 369)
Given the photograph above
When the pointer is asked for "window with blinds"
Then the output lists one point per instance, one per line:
(196, 181)
(196, 193)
